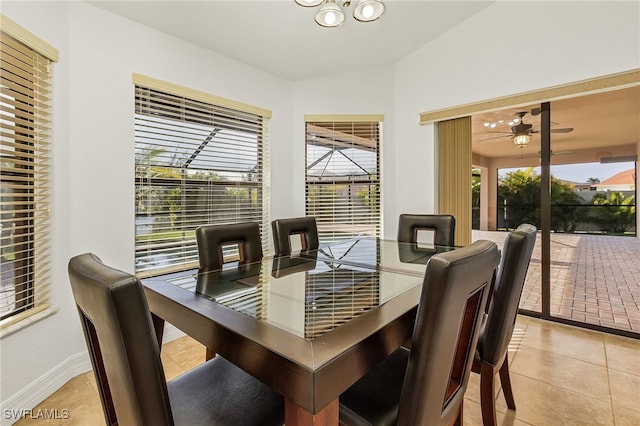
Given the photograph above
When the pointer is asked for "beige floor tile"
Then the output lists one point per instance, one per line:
(180, 344)
(543, 404)
(623, 353)
(540, 385)
(189, 357)
(585, 345)
(171, 368)
(76, 403)
(625, 417)
(625, 389)
(472, 416)
(564, 372)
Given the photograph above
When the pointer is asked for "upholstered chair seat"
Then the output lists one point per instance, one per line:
(426, 385)
(125, 354)
(492, 354)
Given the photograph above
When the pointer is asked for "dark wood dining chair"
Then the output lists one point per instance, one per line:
(125, 354)
(283, 229)
(212, 239)
(443, 226)
(491, 354)
(426, 385)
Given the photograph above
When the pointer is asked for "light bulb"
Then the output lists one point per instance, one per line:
(330, 18)
(367, 11)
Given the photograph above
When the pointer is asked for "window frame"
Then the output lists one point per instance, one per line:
(201, 112)
(336, 129)
(27, 94)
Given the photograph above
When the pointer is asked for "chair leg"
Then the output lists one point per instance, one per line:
(209, 354)
(487, 395)
(505, 380)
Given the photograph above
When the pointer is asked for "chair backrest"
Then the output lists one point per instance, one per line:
(454, 295)
(444, 226)
(503, 305)
(283, 229)
(122, 343)
(212, 239)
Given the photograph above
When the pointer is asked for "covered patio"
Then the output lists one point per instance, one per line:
(595, 279)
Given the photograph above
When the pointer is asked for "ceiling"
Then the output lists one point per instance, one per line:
(282, 38)
(600, 122)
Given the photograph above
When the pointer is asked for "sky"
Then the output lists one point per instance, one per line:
(580, 173)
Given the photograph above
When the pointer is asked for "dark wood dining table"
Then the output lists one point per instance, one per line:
(307, 325)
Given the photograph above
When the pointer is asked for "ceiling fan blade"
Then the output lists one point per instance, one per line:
(563, 130)
(554, 153)
(494, 139)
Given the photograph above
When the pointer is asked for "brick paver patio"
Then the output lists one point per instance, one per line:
(594, 279)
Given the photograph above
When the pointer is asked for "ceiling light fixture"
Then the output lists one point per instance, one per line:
(522, 140)
(331, 15)
(521, 134)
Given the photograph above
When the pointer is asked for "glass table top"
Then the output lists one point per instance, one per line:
(303, 296)
(311, 293)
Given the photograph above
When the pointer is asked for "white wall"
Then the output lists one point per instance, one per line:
(349, 93)
(94, 160)
(507, 48)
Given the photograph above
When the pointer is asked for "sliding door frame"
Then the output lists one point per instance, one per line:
(544, 97)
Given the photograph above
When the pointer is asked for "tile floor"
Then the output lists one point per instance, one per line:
(594, 278)
(561, 375)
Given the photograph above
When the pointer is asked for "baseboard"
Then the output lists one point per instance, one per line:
(44, 386)
(41, 388)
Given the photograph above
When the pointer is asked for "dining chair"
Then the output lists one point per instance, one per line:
(283, 229)
(491, 354)
(212, 239)
(443, 225)
(125, 354)
(426, 385)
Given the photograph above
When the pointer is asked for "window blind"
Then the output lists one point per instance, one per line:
(343, 177)
(196, 163)
(25, 191)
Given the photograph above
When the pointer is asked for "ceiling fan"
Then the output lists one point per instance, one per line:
(521, 132)
(553, 154)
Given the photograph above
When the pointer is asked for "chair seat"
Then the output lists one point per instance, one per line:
(374, 399)
(228, 389)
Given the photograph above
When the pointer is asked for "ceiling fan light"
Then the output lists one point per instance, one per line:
(521, 140)
(330, 15)
(368, 10)
(309, 3)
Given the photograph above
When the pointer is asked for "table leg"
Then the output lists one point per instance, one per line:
(294, 415)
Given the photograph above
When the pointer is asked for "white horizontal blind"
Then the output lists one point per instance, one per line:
(343, 178)
(196, 163)
(25, 118)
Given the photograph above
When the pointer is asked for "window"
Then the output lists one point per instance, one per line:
(343, 175)
(25, 190)
(199, 159)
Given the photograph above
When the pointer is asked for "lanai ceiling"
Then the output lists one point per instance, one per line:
(603, 125)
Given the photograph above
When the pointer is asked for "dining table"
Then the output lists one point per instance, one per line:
(308, 325)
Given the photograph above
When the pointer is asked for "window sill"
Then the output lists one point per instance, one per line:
(20, 321)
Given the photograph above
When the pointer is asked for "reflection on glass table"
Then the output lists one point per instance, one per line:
(380, 254)
(303, 296)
